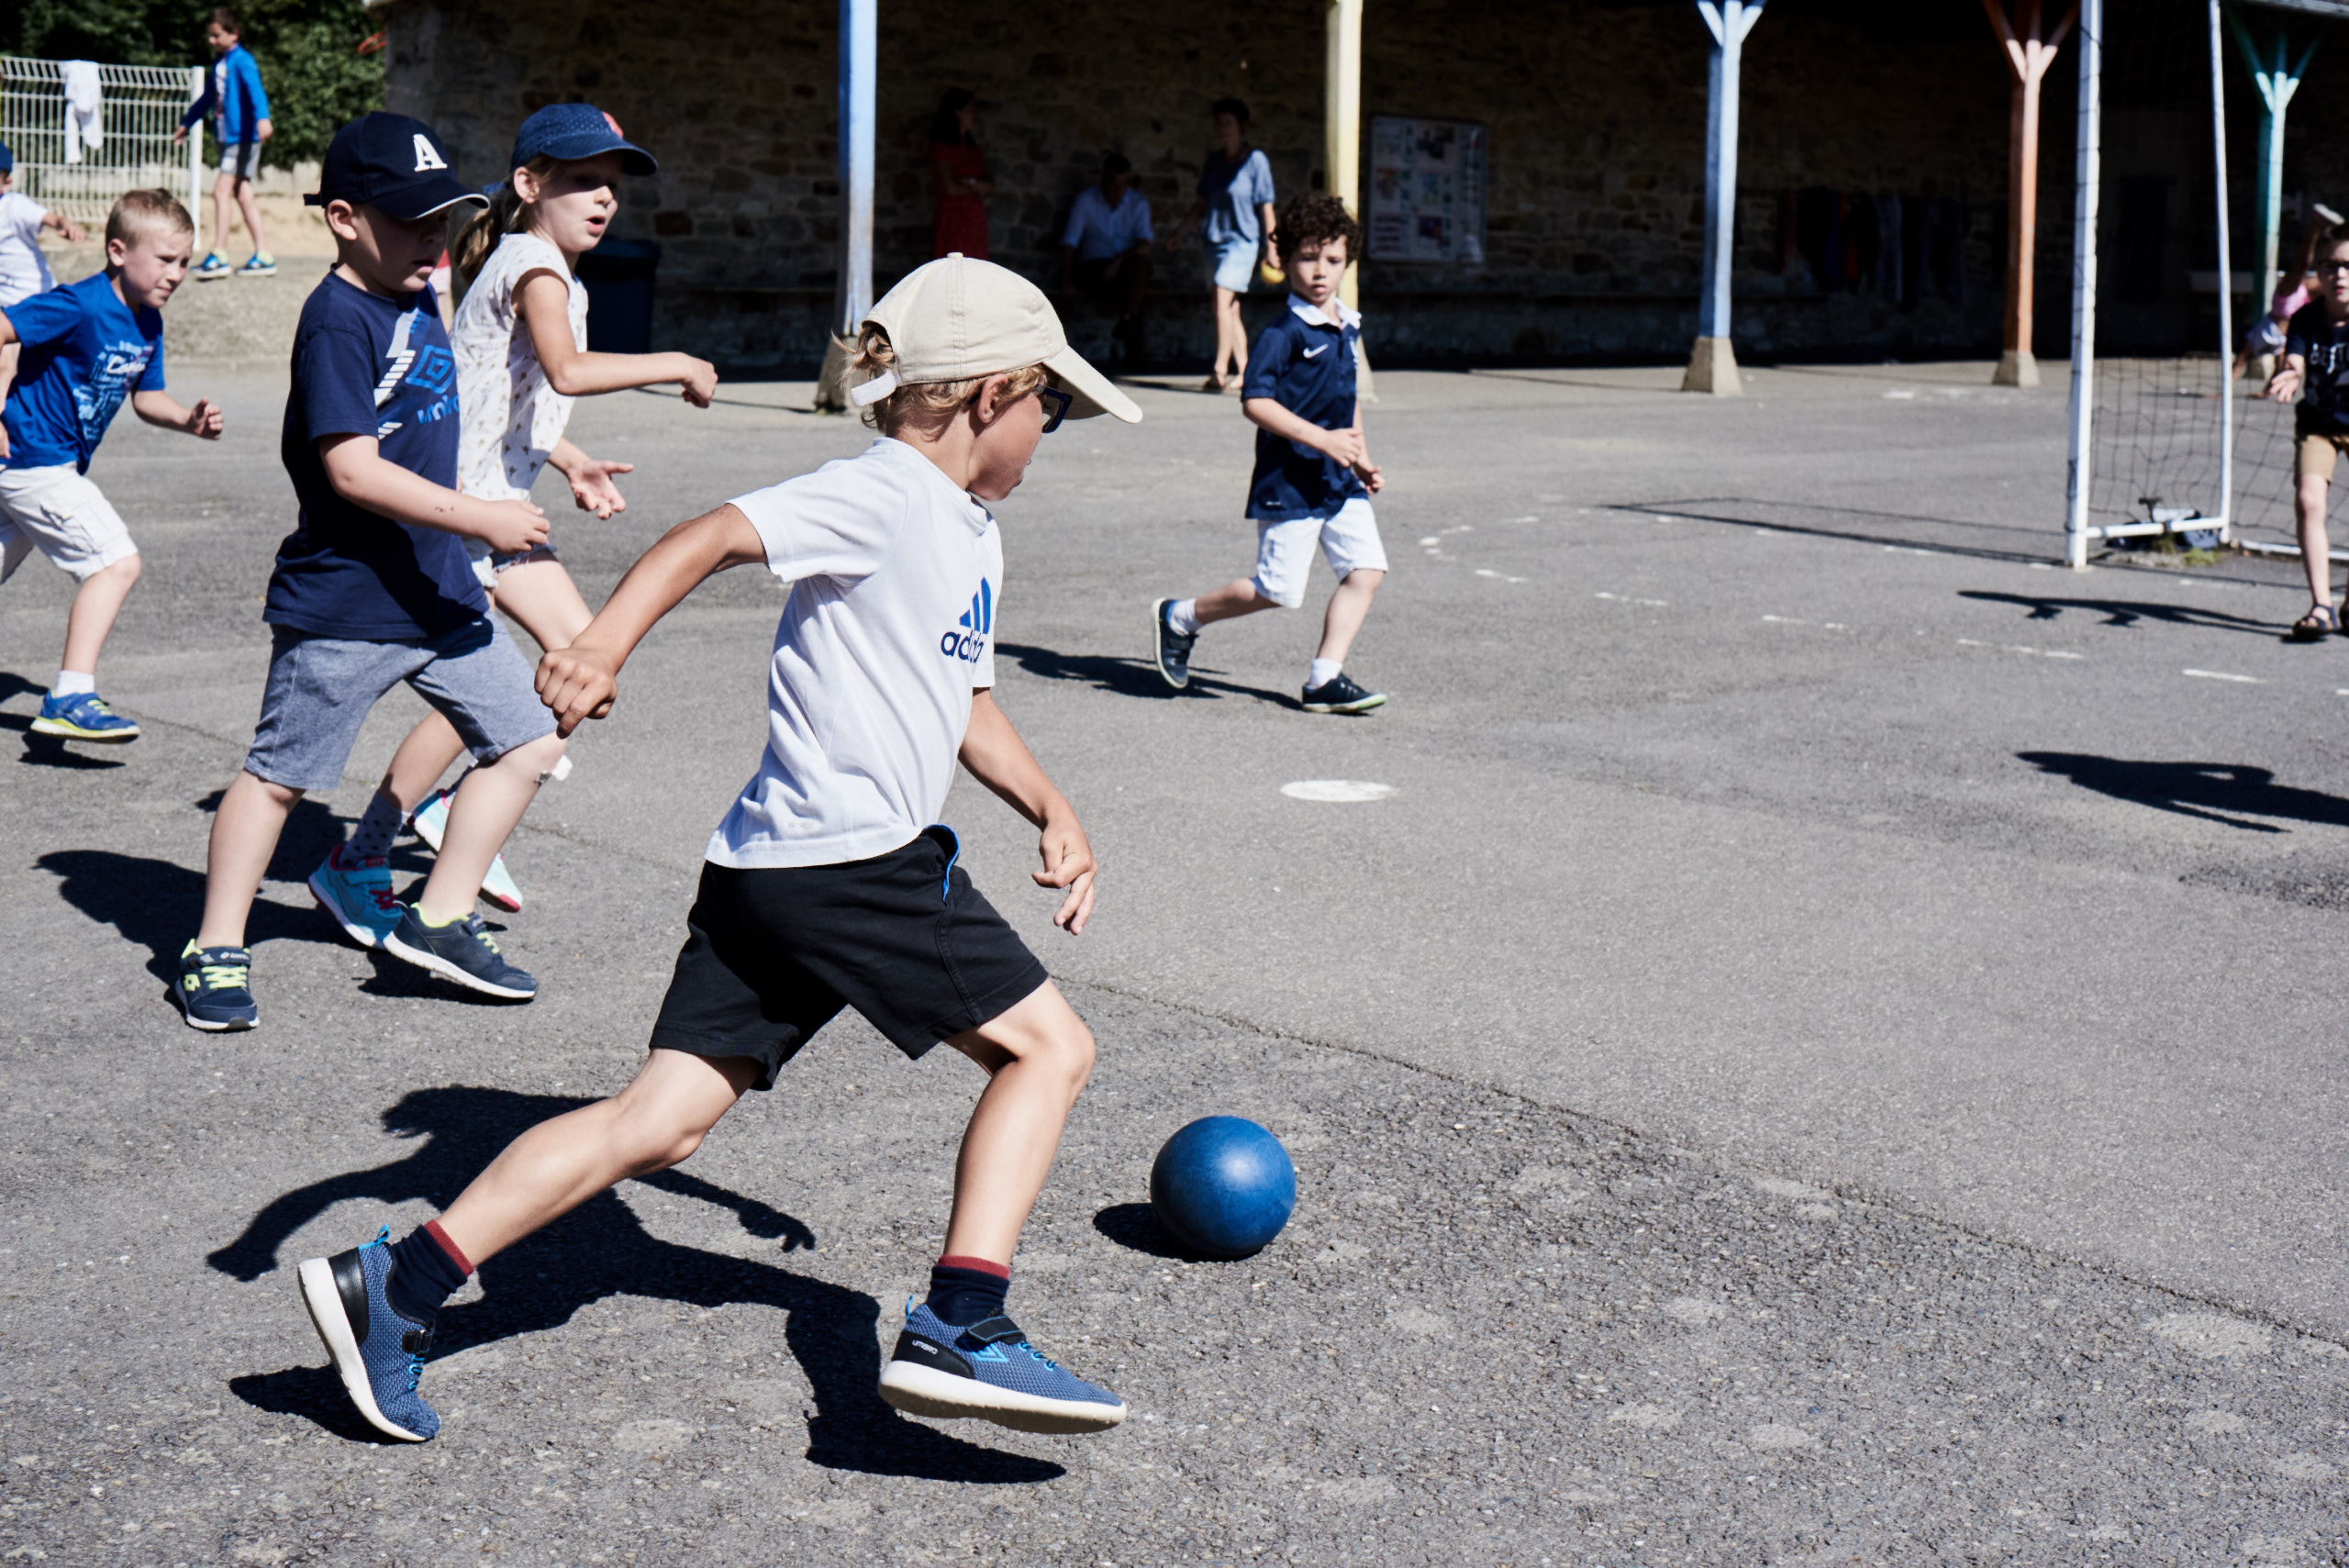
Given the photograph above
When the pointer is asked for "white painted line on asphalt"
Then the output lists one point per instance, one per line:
(1618, 598)
(1431, 539)
(1900, 395)
(1488, 571)
(2217, 675)
(1909, 550)
(1785, 620)
(2063, 653)
(1336, 790)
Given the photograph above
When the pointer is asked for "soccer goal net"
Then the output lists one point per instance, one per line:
(84, 133)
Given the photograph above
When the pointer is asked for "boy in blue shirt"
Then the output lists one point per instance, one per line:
(1313, 478)
(85, 350)
(373, 588)
(238, 105)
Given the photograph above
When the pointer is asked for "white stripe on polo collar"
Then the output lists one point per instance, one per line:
(1305, 310)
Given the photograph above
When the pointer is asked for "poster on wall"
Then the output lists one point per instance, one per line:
(1427, 190)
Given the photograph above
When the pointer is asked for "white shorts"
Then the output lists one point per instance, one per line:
(61, 512)
(1349, 537)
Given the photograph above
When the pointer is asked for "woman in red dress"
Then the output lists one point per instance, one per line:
(959, 180)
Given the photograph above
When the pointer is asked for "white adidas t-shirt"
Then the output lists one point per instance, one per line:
(512, 417)
(895, 577)
(24, 269)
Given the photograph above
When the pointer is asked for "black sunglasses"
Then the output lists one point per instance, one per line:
(1057, 406)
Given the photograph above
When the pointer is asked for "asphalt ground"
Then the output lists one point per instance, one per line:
(1824, 1056)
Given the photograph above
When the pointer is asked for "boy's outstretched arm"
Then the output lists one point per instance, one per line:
(161, 408)
(363, 476)
(580, 682)
(999, 759)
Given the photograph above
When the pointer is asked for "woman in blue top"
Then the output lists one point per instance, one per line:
(1236, 199)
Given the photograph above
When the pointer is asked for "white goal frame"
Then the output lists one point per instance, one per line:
(141, 105)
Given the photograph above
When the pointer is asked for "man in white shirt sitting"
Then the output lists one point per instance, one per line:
(1105, 252)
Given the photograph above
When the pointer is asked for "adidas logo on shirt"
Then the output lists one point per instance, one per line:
(968, 643)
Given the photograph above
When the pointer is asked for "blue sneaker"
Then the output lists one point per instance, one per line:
(214, 265)
(990, 1371)
(379, 1353)
(358, 896)
(262, 265)
(83, 717)
(431, 820)
(462, 951)
(214, 989)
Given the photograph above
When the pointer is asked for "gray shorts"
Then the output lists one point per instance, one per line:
(322, 688)
(241, 159)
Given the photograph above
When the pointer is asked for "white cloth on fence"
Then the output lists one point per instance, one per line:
(84, 108)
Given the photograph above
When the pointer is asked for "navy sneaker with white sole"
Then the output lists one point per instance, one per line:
(463, 951)
(1340, 695)
(1171, 649)
(214, 989)
(379, 1353)
(991, 1372)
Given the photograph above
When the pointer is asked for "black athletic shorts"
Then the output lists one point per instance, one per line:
(772, 954)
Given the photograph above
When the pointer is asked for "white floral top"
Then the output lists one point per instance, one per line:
(513, 420)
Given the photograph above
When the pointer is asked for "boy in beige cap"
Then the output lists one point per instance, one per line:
(831, 883)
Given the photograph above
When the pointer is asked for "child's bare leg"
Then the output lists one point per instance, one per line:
(487, 806)
(424, 755)
(1039, 1054)
(541, 597)
(655, 1123)
(249, 202)
(244, 835)
(1235, 598)
(224, 189)
(1348, 606)
(2316, 549)
(1230, 335)
(96, 604)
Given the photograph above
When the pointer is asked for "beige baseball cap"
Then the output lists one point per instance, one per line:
(958, 318)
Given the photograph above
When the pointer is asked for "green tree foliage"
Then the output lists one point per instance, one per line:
(307, 50)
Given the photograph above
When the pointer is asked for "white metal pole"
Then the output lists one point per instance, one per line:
(2226, 281)
(1713, 365)
(195, 151)
(2088, 170)
(860, 53)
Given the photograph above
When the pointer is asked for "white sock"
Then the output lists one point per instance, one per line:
(1324, 671)
(70, 682)
(1184, 616)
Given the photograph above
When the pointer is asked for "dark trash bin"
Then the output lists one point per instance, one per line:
(618, 275)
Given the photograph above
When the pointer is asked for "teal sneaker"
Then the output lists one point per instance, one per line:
(431, 820)
(214, 265)
(358, 896)
(83, 717)
(214, 989)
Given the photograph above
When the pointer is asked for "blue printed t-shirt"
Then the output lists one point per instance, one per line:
(1306, 366)
(371, 366)
(85, 352)
(2324, 390)
(1232, 193)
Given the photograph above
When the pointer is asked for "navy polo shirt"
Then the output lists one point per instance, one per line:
(1306, 366)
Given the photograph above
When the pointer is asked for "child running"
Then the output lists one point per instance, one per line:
(831, 883)
(85, 349)
(373, 588)
(521, 348)
(24, 267)
(2315, 370)
(1314, 477)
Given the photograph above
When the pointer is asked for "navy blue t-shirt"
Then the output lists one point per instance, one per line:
(2324, 390)
(370, 366)
(1306, 366)
(85, 352)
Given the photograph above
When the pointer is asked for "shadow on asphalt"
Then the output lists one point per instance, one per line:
(2210, 791)
(1897, 530)
(602, 1250)
(158, 906)
(1135, 1227)
(2122, 612)
(1129, 677)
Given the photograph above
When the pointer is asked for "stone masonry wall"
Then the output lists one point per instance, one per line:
(1596, 110)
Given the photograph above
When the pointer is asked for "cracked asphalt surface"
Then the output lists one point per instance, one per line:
(1820, 1059)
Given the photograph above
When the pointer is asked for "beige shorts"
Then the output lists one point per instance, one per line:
(2316, 454)
(62, 513)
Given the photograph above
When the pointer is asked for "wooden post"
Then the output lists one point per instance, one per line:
(1341, 122)
(1712, 366)
(852, 294)
(2029, 52)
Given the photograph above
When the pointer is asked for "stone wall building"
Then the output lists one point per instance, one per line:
(1594, 109)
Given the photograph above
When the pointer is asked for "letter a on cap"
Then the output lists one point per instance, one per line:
(425, 157)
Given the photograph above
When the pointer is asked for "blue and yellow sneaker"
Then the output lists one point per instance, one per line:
(379, 1353)
(431, 820)
(214, 265)
(83, 717)
(990, 1371)
(358, 894)
(262, 265)
(462, 951)
(214, 989)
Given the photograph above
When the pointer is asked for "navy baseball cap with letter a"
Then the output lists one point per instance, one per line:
(394, 163)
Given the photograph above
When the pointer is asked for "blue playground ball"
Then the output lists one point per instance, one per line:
(1223, 1185)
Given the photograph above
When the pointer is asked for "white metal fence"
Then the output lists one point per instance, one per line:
(140, 107)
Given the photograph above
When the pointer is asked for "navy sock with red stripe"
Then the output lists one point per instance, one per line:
(963, 1291)
(427, 1270)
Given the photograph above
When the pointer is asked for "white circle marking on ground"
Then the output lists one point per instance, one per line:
(1341, 790)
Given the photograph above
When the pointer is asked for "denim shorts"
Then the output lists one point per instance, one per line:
(322, 688)
(1233, 266)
